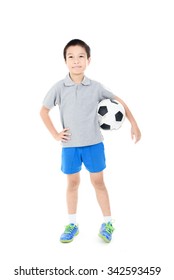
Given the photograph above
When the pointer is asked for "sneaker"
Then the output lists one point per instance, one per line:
(106, 231)
(71, 230)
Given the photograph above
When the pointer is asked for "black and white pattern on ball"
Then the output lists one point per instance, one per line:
(111, 114)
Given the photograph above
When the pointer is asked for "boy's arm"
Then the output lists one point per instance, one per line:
(135, 131)
(63, 135)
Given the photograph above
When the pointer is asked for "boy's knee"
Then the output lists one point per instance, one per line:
(73, 182)
(98, 183)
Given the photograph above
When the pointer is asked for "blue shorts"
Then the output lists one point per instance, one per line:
(93, 157)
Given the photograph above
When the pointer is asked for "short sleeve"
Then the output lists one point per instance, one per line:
(52, 98)
(105, 93)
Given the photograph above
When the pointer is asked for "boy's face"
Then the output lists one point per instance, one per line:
(76, 60)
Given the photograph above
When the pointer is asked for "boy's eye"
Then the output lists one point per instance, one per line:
(78, 57)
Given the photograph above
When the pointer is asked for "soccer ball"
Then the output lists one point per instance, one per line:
(111, 114)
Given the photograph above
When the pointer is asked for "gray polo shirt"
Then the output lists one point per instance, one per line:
(78, 109)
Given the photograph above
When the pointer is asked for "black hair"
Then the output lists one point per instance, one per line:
(77, 42)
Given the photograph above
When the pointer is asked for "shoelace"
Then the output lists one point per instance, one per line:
(69, 229)
(109, 228)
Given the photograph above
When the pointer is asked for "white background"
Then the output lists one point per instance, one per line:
(132, 54)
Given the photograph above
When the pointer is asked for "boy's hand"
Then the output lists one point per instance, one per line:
(63, 136)
(135, 133)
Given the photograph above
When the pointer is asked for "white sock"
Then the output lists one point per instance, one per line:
(72, 219)
(107, 219)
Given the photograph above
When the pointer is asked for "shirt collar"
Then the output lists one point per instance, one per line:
(68, 82)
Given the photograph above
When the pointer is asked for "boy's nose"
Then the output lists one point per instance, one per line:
(76, 60)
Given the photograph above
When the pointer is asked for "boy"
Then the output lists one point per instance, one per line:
(78, 98)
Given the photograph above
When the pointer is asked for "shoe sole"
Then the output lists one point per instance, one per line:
(104, 238)
(70, 240)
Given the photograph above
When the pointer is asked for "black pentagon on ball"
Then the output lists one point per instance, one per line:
(119, 116)
(102, 110)
(105, 126)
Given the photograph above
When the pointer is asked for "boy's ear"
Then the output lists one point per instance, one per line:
(89, 60)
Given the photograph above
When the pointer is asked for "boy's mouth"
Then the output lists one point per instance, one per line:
(76, 67)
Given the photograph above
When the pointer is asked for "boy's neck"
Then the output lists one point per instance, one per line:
(77, 79)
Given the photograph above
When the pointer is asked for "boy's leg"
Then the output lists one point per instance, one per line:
(73, 181)
(106, 229)
(71, 229)
(101, 192)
